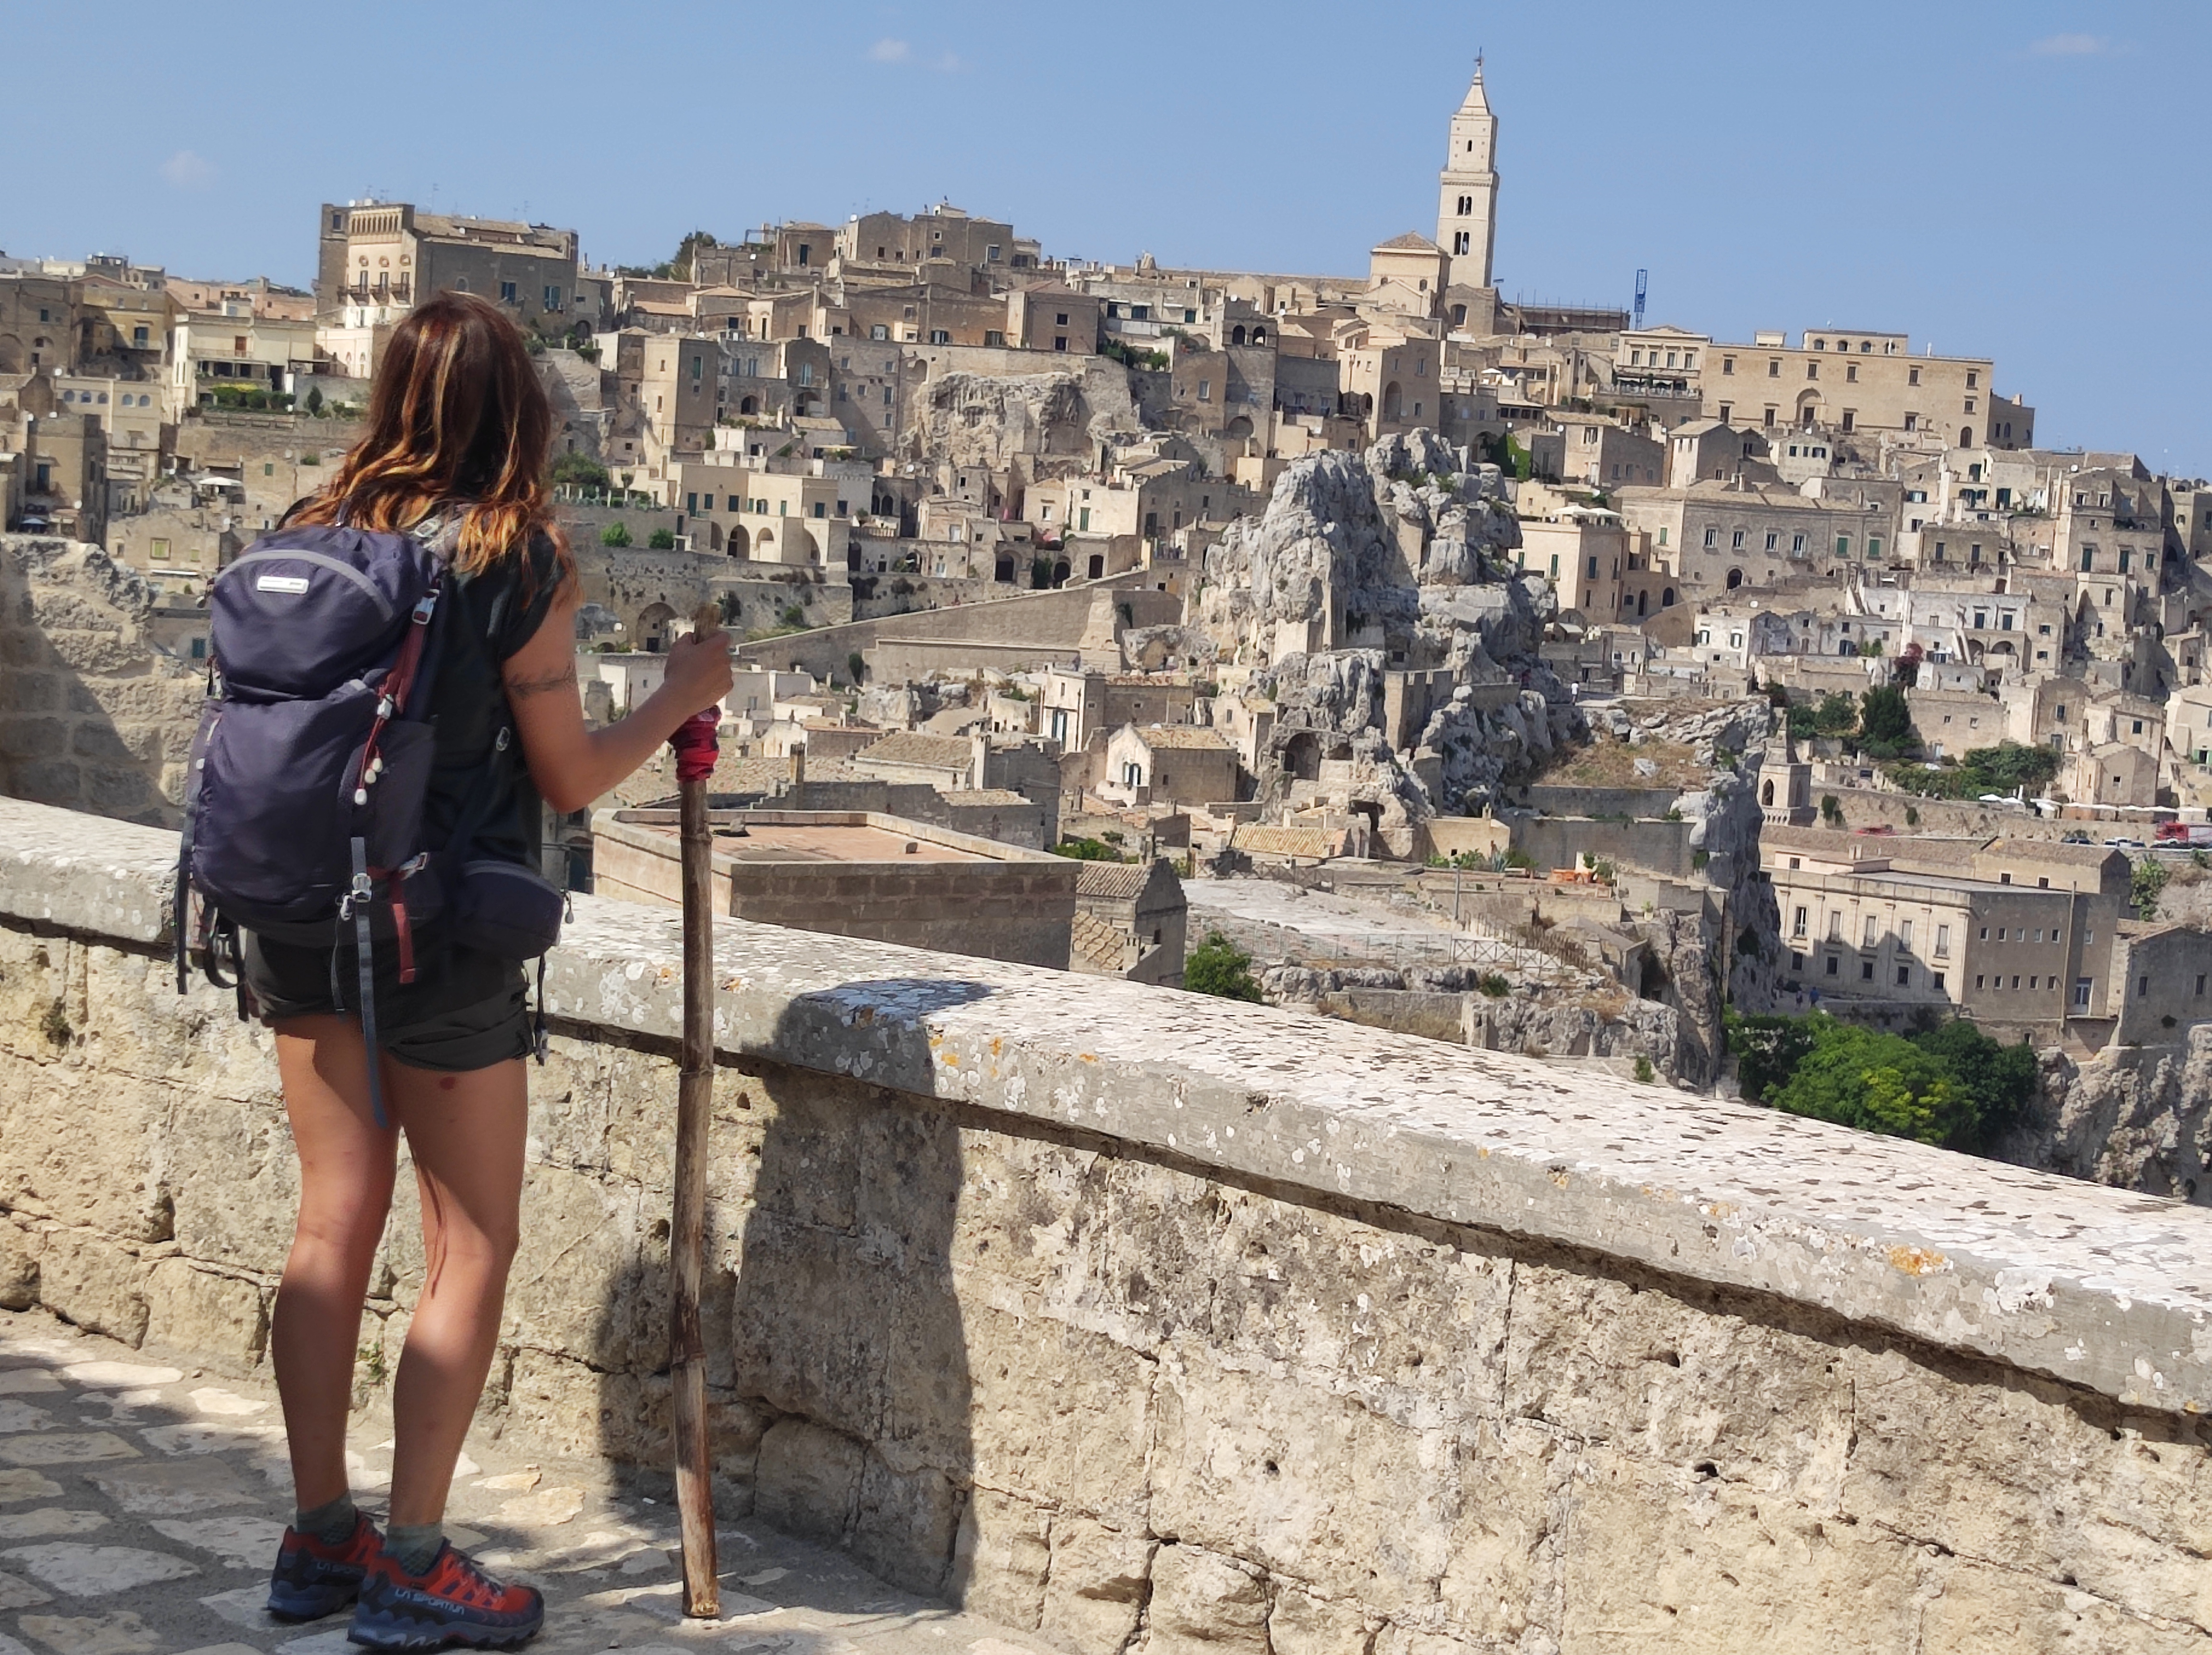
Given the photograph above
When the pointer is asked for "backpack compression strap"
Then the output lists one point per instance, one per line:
(356, 905)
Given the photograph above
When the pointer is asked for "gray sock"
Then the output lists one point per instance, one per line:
(413, 1545)
(330, 1522)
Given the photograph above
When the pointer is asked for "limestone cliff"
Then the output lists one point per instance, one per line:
(972, 418)
(2138, 1118)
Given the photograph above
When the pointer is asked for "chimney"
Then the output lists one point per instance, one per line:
(798, 778)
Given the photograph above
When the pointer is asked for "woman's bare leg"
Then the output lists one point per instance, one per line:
(346, 1171)
(465, 1132)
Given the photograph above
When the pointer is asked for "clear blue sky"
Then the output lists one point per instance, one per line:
(2023, 180)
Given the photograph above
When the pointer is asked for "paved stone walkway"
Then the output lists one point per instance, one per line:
(140, 1503)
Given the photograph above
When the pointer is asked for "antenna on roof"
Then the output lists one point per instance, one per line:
(1643, 286)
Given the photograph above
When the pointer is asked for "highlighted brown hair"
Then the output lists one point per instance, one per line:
(459, 415)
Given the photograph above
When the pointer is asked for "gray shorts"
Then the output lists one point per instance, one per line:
(465, 1009)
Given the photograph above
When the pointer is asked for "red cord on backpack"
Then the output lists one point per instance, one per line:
(694, 742)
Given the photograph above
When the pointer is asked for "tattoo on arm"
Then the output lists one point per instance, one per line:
(522, 688)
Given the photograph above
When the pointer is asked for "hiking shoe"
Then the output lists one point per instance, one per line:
(313, 1578)
(451, 1602)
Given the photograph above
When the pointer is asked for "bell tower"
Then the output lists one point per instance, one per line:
(1467, 211)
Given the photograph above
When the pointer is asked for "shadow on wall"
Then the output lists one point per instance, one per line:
(93, 716)
(838, 1378)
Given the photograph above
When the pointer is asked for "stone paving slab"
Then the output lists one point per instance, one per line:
(142, 1500)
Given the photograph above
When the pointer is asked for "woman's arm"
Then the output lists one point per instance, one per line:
(572, 765)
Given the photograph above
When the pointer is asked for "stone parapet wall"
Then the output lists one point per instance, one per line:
(1134, 1319)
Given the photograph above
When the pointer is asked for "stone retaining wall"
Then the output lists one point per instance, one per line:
(1136, 1319)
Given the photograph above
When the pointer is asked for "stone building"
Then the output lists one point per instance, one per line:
(1131, 921)
(2016, 935)
(377, 260)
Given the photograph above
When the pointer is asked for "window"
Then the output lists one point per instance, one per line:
(1851, 373)
(1205, 390)
(2081, 986)
(1059, 320)
(1936, 981)
(507, 293)
(940, 336)
(1842, 545)
(1904, 976)
(1835, 965)
(994, 336)
(1904, 936)
(1943, 941)
(1873, 546)
(552, 298)
(1798, 928)
(1811, 370)
(1735, 541)
(1774, 368)
(1712, 537)
(1866, 971)
(1727, 365)
(1868, 932)
(877, 331)
(1835, 928)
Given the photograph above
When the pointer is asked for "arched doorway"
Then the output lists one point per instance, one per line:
(653, 627)
(764, 546)
(1239, 429)
(740, 542)
(1766, 792)
(749, 405)
(799, 546)
(1394, 401)
(1734, 579)
(1005, 570)
(1302, 756)
(1667, 598)
(1965, 436)
(1098, 566)
(1643, 602)
(1060, 573)
(1236, 334)
(1258, 336)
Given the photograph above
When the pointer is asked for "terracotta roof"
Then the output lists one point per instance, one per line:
(911, 747)
(655, 781)
(1097, 944)
(1201, 738)
(1411, 242)
(1119, 881)
(1261, 840)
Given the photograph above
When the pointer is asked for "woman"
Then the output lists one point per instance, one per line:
(459, 428)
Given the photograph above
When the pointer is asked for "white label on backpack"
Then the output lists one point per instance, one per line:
(281, 582)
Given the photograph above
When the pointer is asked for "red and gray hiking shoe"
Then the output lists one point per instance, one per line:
(315, 1578)
(451, 1602)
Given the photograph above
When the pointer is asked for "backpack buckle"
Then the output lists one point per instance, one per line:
(424, 606)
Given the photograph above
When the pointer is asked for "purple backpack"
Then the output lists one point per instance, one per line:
(303, 807)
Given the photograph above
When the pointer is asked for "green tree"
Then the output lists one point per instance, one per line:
(1951, 1085)
(315, 399)
(2001, 1079)
(1835, 715)
(2146, 884)
(661, 540)
(578, 472)
(615, 534)
(1879, 1084)
(1885, 723)
(1219, 968)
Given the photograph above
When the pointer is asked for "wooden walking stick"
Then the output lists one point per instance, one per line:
(687, 1369)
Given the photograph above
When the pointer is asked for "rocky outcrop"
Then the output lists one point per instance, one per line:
(93, 714)
(974, 419)
(2138, 1118)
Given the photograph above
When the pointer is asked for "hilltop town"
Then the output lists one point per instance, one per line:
(1525, 676)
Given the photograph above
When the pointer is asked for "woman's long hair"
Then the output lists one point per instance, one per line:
(459, 415)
